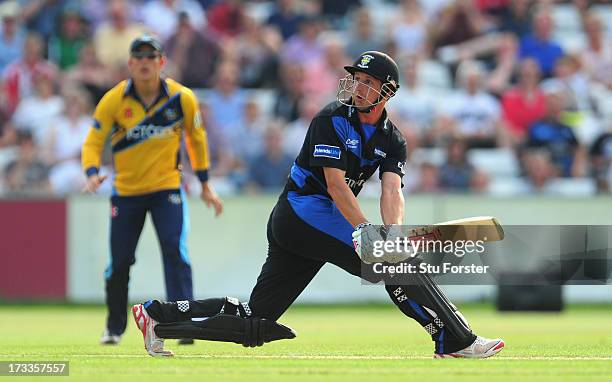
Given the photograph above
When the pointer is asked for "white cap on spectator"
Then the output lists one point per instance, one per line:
(9, 9)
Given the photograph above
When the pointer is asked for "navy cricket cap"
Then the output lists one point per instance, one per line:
(378, 65)
(146, 39)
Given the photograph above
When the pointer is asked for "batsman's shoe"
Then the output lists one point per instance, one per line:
(109, 339)
(152, 343)
(480, 348)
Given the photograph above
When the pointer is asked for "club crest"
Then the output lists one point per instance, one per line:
(365, 61)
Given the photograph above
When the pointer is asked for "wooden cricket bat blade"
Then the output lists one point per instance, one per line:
(485, 228)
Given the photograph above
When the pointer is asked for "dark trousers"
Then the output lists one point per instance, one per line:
(170, 217)
(297, 251)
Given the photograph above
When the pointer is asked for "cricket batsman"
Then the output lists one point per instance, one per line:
(317, 220)
(145, 117)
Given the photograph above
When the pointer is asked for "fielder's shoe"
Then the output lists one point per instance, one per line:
(480, 348)
(110, 339)
(186, 341)
(153, 344)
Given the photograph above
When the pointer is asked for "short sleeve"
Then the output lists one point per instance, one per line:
(396, 158)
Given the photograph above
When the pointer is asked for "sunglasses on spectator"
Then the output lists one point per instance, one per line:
(149, 55)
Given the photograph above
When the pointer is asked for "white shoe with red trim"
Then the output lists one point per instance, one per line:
(153, 344)
(480, 348)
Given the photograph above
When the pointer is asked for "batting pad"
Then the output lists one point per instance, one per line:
(249, 332)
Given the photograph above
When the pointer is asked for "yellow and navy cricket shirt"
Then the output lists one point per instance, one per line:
(146, 142)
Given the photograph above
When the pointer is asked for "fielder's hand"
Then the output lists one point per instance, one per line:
(93, 183)
(210, 198)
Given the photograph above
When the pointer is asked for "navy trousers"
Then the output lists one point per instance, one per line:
(170, 217)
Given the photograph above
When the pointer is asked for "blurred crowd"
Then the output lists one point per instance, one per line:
(500, 97)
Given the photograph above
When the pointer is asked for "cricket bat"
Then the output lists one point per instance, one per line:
(485, 228)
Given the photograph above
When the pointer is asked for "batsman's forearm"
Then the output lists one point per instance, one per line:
(347, 203)
(392, 207)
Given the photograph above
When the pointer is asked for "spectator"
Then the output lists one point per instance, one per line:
(601, 158)
(226, 101)
(412, 170)
(65, 47)
(291, 92)
(8, 136)
(361, 34)
(525, 103)
(471, 112)
(304, 48)
(194, 55)
(42, 16)
(578, 102)
(256, 51)
(246, 138)
(12, 35)
(63, 141)
(491, 8)
(27, 173)
(296, 130)
(569, 77)
(459, 22)
(226, 19)
(222, 159)
(336, 11)
(416, 104)
(18, 75)
(324, 75)
(269, 170)
(539, 169)
(163, 16)
(113, 38)
(91, 73)
(597, 57)
(517, 18)
(429, 181)
(408, 29)
(504, 63)
(285, 18)
(558, 139)
(96, 11)
(456, 174)
(460, 36)
(540, 45)
(35, 112)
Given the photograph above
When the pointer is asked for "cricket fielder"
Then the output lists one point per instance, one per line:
(317, 220)
(146, 117)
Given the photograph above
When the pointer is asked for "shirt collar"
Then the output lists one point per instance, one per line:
(131, 90)
(381, 125)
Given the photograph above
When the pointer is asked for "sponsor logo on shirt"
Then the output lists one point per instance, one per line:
(379, 152)
(327, 151)
(170, 114)
(149, 131)
(352, 143)
(352, 183)
(128, 112)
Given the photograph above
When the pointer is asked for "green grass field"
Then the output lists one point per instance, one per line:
(334, 343)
